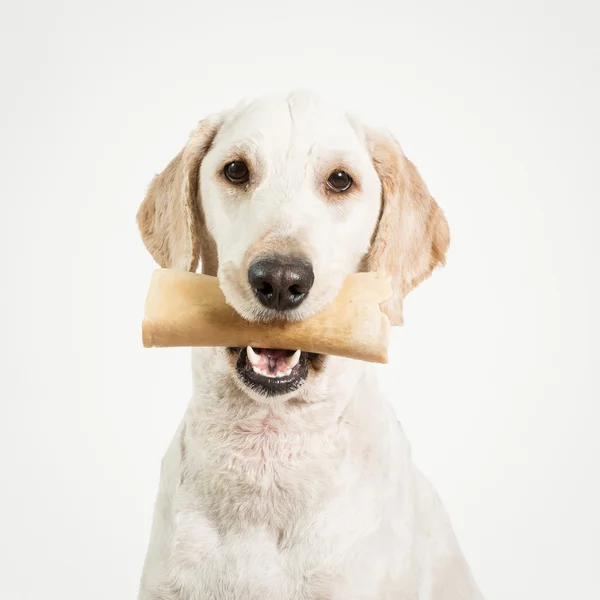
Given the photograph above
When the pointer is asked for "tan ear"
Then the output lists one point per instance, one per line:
(412, 235)
(170, 218)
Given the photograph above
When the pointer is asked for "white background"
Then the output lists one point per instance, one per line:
(495, 374)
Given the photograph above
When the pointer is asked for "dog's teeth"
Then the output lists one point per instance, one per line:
(292, 361)
(252, 356)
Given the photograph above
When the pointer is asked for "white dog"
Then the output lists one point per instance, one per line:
(290, 477)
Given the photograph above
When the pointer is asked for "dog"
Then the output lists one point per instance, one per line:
(290, 477)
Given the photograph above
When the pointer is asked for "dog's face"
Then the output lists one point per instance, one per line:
(291, 199)
(282, 200)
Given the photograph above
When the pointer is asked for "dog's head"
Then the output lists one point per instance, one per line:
(282, 199)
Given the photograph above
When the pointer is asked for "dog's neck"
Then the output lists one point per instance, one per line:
(265, 462)
(319, 404)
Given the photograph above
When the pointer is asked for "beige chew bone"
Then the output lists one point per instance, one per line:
(189, 309)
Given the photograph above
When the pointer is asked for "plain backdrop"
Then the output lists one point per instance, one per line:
(495, 374)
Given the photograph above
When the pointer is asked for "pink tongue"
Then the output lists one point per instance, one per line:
(272, 361)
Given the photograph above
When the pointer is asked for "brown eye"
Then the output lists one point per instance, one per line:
(236, 171)
(339, 181)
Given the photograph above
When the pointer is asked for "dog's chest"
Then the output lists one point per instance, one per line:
(265, 516)
(325, 556)
(256, 473)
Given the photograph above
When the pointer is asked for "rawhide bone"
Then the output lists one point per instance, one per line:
(189, 309)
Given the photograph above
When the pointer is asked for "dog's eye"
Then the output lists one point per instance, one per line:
(339, 181)
(236, 171)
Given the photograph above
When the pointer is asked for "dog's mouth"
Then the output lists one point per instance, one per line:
(271, 372)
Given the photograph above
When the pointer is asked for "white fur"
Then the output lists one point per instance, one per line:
(291, 140)
(312, 496)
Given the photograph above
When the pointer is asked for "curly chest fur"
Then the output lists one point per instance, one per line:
(275, 524)
(261, 470)
(254, 564)
(262, 510)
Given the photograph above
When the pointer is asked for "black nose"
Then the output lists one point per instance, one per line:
(281, 283)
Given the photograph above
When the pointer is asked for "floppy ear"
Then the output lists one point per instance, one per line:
(170, 218)
(412, 234)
